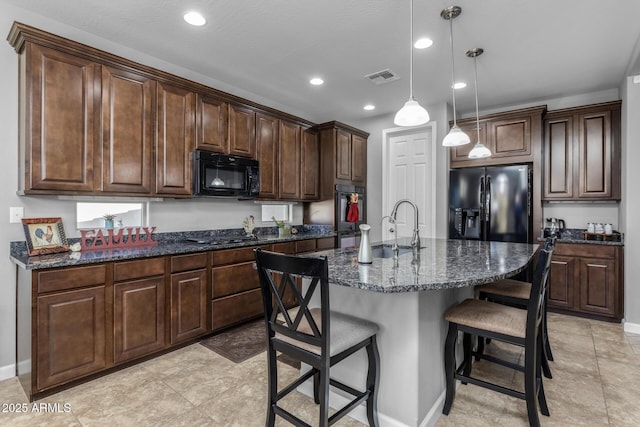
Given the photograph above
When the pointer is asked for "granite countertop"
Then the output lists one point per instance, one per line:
(442, 264)
(168, 244)
(576, 235)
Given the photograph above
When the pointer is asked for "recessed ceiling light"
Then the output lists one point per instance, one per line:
(316, 81)
(369, 107)
(195, 18)
(423, 43)
(459, 85)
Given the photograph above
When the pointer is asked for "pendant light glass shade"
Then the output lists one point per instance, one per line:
(456, 136)
(479, 151)
(412, 113)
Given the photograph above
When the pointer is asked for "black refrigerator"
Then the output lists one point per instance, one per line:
(491, 203)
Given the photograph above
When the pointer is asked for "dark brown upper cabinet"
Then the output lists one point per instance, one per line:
(512, 136)
(242, 131)
(58, 121)
(175, 140)
(290, 138)
(128, 113)
(267, 144)
(310, 166)
(343, 157)
(582, 153)
(212, 115)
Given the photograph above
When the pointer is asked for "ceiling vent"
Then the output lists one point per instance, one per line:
(384, 76)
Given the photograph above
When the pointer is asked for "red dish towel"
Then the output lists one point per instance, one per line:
(353, 214)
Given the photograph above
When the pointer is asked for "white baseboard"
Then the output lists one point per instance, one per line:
(7, 372)
(634, 328)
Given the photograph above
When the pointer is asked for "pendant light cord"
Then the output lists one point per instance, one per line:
(411, 56)
(453, 73)
(475, 69)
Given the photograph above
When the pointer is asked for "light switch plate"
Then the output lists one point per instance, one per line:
(16, 214)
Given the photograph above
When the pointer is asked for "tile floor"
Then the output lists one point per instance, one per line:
(596, 383)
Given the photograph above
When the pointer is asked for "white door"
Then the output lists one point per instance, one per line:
(409, 172)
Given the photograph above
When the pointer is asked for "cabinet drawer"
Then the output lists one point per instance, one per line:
(305, 246)
(236, 308)
(71, 278)
(285, 248)
(137, 269)
(586, 250)
(188, 262)
(325, 243)
(232, 256)
(234, 278)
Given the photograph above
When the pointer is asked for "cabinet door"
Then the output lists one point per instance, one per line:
(211, 124)
(343, 154)
(242, 131)
(60, 122)
(70, 335)
(562, 282)
(595, 155)
(138, 318)
(175, 140)
(267, 146)
(510, 137)
(309, 166)
(358, 159)
(289, 160)
(598, 286)
(188, 305)
(128, 105)
(558, 158)
(231, 279)
(236, 308)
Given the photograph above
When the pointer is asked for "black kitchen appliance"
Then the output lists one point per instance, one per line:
(492, 203)
(220, 175)
(553, 227)
(349, 214)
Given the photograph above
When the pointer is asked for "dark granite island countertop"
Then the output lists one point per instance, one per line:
(441, 264)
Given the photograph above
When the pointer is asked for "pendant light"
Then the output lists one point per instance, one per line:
(456, 136)
(412, 113)
(480, 151)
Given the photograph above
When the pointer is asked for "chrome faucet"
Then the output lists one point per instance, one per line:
(415, 240)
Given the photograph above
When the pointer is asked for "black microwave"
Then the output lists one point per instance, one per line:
(224, 176)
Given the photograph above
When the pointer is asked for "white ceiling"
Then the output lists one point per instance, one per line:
(534, 50)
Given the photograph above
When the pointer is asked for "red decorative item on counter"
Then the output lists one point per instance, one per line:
(353, 214)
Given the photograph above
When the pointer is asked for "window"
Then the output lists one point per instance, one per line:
(281, 212)
(92, 215)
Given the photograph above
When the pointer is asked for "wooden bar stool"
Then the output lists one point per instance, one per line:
(503, 323)
(516, 293)
(315, 336)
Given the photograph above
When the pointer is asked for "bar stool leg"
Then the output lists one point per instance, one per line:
(449, 366)
(373, 379)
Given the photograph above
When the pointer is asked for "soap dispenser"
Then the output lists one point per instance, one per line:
(364, 254)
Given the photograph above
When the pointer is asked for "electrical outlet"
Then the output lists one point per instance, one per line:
(16, 214)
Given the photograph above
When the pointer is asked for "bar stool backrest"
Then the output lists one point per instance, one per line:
(539, 287)
(278, 274)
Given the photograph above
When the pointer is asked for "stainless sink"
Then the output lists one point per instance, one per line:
(386, 251)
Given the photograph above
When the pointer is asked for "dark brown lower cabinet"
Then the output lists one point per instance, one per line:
(138, 318)
(587, 280)
(188, 305)
(70, 331)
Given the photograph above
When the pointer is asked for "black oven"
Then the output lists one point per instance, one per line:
(351, 211)
(224, 176)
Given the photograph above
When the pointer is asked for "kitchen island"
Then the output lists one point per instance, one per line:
(408, 301)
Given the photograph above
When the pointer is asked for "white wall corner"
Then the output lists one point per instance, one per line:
(8, 371)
